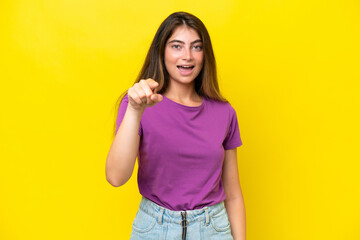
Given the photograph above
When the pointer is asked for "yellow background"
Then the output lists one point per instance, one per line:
(289, 68)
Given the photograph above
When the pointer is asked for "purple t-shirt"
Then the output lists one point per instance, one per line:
(181, 152)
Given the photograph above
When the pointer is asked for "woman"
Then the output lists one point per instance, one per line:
(185, 136)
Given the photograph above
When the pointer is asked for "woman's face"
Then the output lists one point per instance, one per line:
(184, 55)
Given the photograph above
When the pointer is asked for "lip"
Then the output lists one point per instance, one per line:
(185, 72)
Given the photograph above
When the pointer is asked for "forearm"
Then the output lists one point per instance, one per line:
(236, 212)
(124, 149)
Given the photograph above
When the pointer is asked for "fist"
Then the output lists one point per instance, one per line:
(143, 94)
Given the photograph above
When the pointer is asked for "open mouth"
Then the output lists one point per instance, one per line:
(185, 70)
(185, 67)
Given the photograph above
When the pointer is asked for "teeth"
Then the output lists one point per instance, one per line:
(186, 66)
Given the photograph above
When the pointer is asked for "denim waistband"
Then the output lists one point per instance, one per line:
(167, 215)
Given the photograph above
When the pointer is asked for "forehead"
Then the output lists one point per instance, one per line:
(185, 34)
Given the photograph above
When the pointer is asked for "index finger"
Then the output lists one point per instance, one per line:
(152, 83)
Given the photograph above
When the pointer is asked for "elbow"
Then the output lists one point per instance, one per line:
(116, 176)
(116, 182)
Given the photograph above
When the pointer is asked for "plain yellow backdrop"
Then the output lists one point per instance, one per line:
(289, 68)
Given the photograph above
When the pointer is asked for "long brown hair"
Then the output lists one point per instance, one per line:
(206, 83)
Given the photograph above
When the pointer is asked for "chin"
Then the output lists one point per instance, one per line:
(185, 80)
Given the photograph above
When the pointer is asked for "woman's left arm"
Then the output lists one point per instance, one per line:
(234, 202)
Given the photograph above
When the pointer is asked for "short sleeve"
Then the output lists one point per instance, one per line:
(121, 114)
(232, 139)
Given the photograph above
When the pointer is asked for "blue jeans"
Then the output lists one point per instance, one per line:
(156, 222)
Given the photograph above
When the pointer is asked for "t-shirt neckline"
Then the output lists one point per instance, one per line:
(185, 106)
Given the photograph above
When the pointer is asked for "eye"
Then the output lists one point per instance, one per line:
(176, 46)
(198, 47)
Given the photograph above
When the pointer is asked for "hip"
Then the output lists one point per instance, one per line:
(153, 221)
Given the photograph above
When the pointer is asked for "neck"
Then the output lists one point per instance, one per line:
(182, 92)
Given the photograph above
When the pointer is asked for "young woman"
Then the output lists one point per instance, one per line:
(185, 135)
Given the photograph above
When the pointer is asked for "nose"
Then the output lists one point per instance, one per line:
(187, 55)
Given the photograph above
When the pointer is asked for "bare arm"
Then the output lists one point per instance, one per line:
(121, 158)
(234, 202)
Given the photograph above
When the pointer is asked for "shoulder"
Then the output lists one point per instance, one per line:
(225, 106)
(125, 98)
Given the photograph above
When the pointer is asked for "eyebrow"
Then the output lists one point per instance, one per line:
(196, 41)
